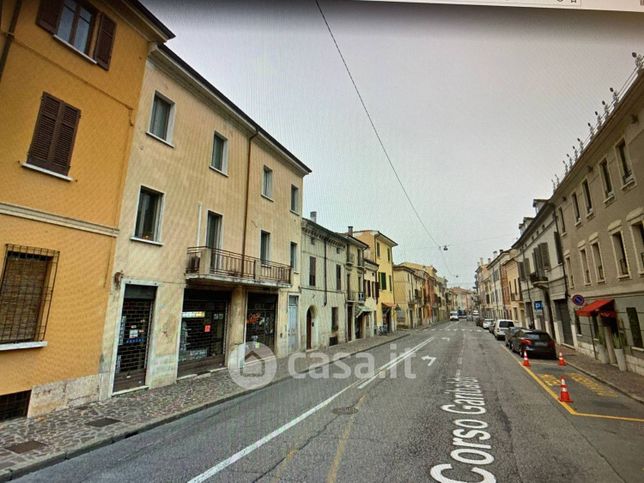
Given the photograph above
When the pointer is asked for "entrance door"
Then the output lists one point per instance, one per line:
(203, 331)
(564, 316)
(292, 324)
(349, 322)
(309, 329)
(132, 351)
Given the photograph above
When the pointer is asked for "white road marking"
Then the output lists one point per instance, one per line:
(430, 359)
(209, 473)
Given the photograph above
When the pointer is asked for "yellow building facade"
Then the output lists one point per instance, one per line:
(70, 78)
(381, 252)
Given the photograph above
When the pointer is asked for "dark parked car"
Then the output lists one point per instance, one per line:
(511, 332)
(535, 343)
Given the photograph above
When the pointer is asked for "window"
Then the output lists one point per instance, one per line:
(378, 249)
(312, 240)
(608, 184)
(312, 271)
(265, 247)
(295, 199)
(219, 159)
(391, 287)
(575, 204)
(620, 254)
(625, 162)
(558, 248)
(563, 222)
(597, 259)
(54, 135)
(334, 319)
(577, 324)
(148, 215)
(294, 256)
(589, 201)
(25, 293)
(74, 23)
(634, 323)
(637, 230)
(388, 254)
(383, 280)
(14, 405)
(267, 182)
(213, 230)
(584, 266)
(161, 117)
(338, 277)
(571, 279)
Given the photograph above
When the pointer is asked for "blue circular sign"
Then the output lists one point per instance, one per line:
(578, 300)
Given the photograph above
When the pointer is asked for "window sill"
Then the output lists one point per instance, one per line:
(219, 171)
(601, 281)
(295, 213)
(268, 198)
(628, 183)
(154, 136)
(149, 242)
(75, 50)
(624, 277)
(22, 345)
(46, 171)
(590, 215)
(638, 349)
(578, 222)
(563, 234)
(610, 197)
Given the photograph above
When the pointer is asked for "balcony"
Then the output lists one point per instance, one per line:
(220, 265)
(538, 278)
(355, 296)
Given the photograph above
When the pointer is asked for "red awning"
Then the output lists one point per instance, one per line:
(593, 307)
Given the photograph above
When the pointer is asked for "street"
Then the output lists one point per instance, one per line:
(394, 428)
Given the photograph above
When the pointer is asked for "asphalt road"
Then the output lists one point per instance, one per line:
(394, 427)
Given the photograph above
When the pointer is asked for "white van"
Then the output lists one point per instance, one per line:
(453, 315)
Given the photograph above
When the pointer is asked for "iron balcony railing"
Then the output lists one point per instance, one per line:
(214, 261)
(355, 296)
(538, 277)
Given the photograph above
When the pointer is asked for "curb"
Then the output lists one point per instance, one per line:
(604, 381)
(23, 469)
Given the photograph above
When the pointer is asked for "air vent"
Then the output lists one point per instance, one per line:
(14, 405)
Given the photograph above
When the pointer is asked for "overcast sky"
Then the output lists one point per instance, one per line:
(477, 106)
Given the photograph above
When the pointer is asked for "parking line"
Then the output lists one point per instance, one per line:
(566, 405)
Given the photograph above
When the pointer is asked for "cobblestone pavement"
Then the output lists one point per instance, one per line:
(63, 434)
(628, 383)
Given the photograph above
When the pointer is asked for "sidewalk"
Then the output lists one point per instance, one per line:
(628, 383)
(29, 444)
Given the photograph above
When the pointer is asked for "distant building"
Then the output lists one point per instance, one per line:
(408, 295)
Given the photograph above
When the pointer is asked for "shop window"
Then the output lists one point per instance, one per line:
(636, 330)
(25, 293)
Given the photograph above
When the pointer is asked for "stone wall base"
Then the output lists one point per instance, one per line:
(58, 395)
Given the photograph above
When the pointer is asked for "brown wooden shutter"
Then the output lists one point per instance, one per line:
(49, 15)
(104, 41)
(53, 140)
(545, 255)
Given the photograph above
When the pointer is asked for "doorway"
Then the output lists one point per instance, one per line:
(309, 328)
(292, 323)
(134, 330)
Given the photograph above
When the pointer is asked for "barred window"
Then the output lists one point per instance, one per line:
(25, 293)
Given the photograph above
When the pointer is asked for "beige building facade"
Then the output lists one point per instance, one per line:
(408, 296)
(207, 256)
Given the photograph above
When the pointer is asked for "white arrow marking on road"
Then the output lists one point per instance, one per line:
(444, 338)
(430, 359)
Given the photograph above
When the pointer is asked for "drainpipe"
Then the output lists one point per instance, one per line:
(245, 230)
(10, 35)
(325, 281)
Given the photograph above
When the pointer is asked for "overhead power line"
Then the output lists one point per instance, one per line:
(375, 130)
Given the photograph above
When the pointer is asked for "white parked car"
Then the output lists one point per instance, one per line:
(487, 323)
(501, 327)
(453, 315)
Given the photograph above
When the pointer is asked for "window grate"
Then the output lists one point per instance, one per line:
(26, 290)
(14, 405)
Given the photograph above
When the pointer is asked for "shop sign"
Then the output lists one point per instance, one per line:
(193, 315)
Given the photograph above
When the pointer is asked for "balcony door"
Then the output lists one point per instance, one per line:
(213, 239)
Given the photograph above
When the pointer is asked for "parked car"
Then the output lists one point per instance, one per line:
(487, 323)
(491, 327)
(453, 315)
(479, 321)
(509, 334)
(501, 327)
(535, 343)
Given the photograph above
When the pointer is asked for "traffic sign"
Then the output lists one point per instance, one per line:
(578, 300)
(538, 305)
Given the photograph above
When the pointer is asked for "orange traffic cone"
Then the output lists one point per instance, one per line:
(562, 361)
(526, 362)
(564, 396)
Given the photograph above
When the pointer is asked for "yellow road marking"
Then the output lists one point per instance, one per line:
(592, 385)
(333, 470)
(566, 406)
(282, 466)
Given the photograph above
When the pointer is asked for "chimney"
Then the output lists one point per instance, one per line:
(314, 216)
(350, 230)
